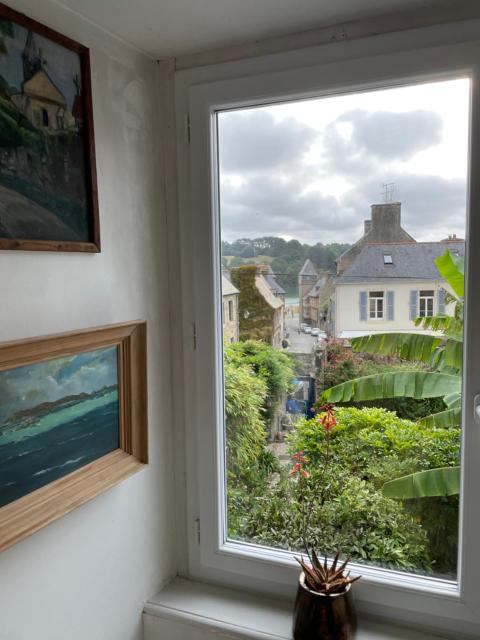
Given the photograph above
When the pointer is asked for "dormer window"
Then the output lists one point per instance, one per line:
(387, 258)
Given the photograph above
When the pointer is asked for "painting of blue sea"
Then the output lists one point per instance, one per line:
(55, 417)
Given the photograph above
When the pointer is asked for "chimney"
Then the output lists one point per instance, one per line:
(386, 217)
(367, 225)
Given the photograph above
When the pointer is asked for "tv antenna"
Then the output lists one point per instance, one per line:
(388, 191)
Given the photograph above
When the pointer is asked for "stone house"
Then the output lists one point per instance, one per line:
(389, 285)
(261, 313)
(230, 296)
(316, 288)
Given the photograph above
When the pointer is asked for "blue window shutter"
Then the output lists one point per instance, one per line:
(390, 305)
(413, 304)
(441, 301)
(363, 305)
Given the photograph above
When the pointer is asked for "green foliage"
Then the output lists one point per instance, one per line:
(445, 381)
(356, 518)
(451, 267)
(376, 446)
(245, 394)
(255, 314)
(288, 256)
(342, 364)
(444, 481)
(272, 366)
(255, 375)
(371, 440)
(410, 384)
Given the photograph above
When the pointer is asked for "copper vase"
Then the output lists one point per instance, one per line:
(320, 617)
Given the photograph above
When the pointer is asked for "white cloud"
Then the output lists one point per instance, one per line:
(310, 170)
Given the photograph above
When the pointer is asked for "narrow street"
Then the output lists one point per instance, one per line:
(299, 342)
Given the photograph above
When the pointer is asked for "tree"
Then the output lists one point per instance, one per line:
(443, 353)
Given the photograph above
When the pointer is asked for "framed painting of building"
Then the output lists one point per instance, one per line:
(73, 422)
(48, 187)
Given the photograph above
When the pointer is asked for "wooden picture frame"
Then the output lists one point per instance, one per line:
(72, 353)
(48, 180)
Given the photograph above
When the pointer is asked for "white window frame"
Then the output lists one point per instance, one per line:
(397, 59)
(425, 299)
(378, 315)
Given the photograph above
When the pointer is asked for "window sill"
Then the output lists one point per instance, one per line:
(199, 611)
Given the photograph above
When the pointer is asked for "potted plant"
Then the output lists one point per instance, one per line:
(324, 607)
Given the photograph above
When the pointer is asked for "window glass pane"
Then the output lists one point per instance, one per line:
(312, 246)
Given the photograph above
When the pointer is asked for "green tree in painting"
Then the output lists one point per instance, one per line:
(443, 354)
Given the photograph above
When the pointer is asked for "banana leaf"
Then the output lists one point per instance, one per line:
(408, 346)
(398, 384)
(444, 481)
(443, 420)
(450, 326)
(451, 268)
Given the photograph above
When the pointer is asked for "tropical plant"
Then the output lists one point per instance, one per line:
(443, 355)
(324, 578)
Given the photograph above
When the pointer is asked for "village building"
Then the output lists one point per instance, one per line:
(388, 286)
(40, 100)
(230, 296)
(267, 272)
(382, 282)
(261, 312)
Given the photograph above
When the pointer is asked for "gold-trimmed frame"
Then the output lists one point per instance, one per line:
(39, 508)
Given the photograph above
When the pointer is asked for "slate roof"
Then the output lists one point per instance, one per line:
(264, 289)
(273, 284)
(308, 269)
(227, 287)
(410, 260)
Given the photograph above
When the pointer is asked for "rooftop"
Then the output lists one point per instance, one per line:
(409, 260)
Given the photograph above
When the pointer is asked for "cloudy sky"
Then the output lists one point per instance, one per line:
(310, 170)
(25, 387)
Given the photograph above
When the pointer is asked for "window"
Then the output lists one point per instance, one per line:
(230, 310)
(387, 258)
(425, 303)
(252, 559)
(376, 304)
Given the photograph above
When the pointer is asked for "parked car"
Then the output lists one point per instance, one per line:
(315, 331)
(307, 329)
(321, 336)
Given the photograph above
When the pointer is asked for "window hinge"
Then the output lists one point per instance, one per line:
(187, 128)
(197, 530)
(194, 336)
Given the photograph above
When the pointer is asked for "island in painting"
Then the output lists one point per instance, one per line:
(56, 416)
(43, 187)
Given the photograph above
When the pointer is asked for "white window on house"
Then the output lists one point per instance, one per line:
(243, 494)
(230, 310)
(376, 305)
(425, 303)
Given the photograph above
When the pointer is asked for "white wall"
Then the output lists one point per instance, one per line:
(86, 576)
(347, 312)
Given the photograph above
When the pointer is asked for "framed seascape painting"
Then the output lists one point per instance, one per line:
(48, 188)
(73, 422)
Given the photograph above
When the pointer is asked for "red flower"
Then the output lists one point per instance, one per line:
(299, 457)
(327, 419)
(297, 468)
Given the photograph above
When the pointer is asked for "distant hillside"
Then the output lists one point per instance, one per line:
(286, 257)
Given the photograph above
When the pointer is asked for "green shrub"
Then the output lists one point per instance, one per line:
(275, 368)
(343, 364)
(354, 518)
(375, 446)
